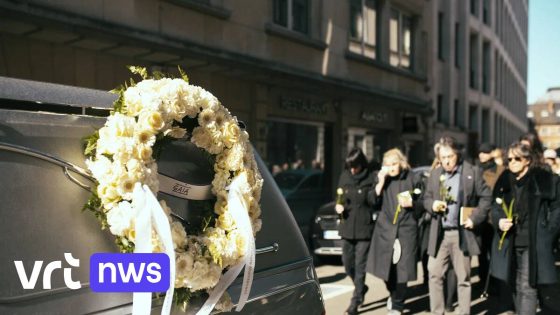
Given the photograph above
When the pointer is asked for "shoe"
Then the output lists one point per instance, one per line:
(394, 312)
(449, 309)
(351, 310)
(389, 304)
(366, 288)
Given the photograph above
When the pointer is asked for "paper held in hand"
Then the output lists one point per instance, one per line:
(405, 196)
(465, 214)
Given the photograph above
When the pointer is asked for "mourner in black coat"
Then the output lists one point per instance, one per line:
(525, 259)
(393, 180)
(354, 205)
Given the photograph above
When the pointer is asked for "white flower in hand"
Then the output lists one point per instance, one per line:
(439, 206)
(339, 208)
(499, 200)
(505, 224)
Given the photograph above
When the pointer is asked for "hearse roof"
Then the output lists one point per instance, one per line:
(54, 94)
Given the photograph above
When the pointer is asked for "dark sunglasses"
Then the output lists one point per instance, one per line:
(517, 158)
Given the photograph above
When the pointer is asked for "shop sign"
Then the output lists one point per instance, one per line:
(305, 106)
(374, 117)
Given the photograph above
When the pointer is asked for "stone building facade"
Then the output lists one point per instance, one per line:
(310, 78)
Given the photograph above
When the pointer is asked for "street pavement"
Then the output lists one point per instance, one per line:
(337, 291)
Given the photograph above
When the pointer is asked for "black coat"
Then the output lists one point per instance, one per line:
(544, 225)
(405, 229)
(357, 222)
(474, 193)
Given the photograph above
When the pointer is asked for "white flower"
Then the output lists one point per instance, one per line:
(121, 218)
(226, 222)
(417, 191)
(499, 201)
(201, 138)
(442, 178)
(206, 118)
(224, 304)
(151, 120)
(231, 133)
(178, 235)
(119, 125)
(257, 225)
(176, 132)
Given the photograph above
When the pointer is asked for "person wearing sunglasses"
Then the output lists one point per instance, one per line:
(523, 243)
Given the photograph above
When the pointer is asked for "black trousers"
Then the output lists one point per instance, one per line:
(397, 290)
(354, 258)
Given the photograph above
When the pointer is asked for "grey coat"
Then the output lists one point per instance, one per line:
(544, 226)
(406, 230)
(473, 192)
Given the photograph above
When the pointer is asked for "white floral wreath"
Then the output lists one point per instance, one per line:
(121, 154)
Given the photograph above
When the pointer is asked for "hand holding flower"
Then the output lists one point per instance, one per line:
(468, 224)
(505, 224)
(439, 206)
(339, 208)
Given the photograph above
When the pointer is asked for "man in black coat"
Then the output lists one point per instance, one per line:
(454, 187)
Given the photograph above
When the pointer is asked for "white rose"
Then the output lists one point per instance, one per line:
(151, 120)
(121, 218)
(230, 133)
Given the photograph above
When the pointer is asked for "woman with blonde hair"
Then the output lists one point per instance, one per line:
(394, 244)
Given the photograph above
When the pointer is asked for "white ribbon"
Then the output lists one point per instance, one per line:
(239, 208)
(179, 189)
(149, 211)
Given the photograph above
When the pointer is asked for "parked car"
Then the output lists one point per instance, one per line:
(41, 130)
(305, 191)
(325, 240)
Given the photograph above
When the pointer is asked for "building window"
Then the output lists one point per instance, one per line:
(440, 36)
(457, 46)
(363, 27)
(456, 113)
(485, 125)
(486, 68)
(531, 115)
(292, 14)
(474, 7)
(400, 33)
(486, 12)
(473, 118)
(558, 113)
(440, 116)
(544, 113)
(473, 58)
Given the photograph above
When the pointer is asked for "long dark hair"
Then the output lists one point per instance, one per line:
(355, 158)
(536, 147)
(522, 150)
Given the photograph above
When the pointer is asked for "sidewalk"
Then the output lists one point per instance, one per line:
(337, 291)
